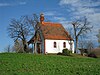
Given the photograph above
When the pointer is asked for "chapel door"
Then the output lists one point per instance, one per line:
(39, 47)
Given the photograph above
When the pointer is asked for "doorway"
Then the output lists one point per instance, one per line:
(39, 48)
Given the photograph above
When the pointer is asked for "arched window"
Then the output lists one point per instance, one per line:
(55, 44)
(64, 44)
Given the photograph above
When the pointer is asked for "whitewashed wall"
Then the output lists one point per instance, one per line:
(49, 46)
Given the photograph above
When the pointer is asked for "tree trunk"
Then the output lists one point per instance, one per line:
(75, 37)
(25, 46)
(76, 45)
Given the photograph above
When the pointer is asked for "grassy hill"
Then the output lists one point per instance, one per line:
(30, 64)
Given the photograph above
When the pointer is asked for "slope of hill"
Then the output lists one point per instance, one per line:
(30, 64)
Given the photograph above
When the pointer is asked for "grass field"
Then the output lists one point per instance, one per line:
(30, 64)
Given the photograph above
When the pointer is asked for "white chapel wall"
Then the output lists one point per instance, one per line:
(49, 46)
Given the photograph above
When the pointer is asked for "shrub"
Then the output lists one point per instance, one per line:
(66, 52)
(96, 51)
(92, 55)
(59, 53)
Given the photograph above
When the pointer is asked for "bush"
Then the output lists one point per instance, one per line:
(96, 51)
(59, 53)
(66, 52)
(92, 55)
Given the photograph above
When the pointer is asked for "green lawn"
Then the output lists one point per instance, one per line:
(30, 64)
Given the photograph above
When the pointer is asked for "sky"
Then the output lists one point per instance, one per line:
(61, 11)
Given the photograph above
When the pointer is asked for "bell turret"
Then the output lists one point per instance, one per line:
(41, 18)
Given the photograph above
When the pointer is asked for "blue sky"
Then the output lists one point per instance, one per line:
(62, 11)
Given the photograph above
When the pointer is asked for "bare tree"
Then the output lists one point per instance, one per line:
(20, 29)
(82, 45)
(33, 21)
(98, 36)
(90, 46)
(18, 46)
(71, 35)
(80, 27)
(85, 46)
(70, 31)
(8, 48)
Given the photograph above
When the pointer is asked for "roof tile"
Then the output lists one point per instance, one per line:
(54, 31)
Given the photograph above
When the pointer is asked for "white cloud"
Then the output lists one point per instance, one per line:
(80, 8)
(12, 4)
(95, 17)
(95, 21)
(85, 10)
(81, 3)
(64, 2)
(90, 3)
(88, 8)
(4, 4)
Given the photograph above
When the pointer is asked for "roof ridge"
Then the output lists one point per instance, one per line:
(51, 23)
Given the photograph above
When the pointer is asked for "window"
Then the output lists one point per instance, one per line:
(64, 45)
(55, 44)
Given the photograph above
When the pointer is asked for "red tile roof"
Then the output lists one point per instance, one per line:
(54, 31)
